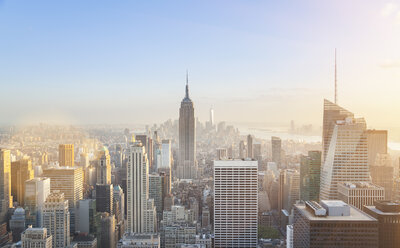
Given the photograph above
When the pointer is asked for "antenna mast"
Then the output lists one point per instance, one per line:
(335, 80)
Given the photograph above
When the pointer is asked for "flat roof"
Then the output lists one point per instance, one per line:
(374, 209)
(355, 215)
(334, 203)
(235, 163)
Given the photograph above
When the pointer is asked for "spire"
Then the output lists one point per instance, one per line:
(187, 85)
(335, 80)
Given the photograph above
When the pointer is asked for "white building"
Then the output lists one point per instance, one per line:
(141, 214)
(36, 192)
(56, 219)
(166, 154)
(235, 203)
(36, 238)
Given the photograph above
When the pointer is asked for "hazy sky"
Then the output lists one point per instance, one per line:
(254, 61)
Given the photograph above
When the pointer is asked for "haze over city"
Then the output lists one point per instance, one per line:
(253, 62)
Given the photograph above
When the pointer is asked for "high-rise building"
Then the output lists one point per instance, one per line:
(166, 156)
(66, 155)
(103, 169)
(5, 236)
(332, 114)
(119, 204)
(276, 144)
(388, 215)
(212, 117)
(84, 160)
(56, 219)
(21, 171)
(104, 198)
(36, 238)
(106, 232)
(140, 213)
(235, 203)
(257, 154)
(156, 193)
(68, 180)
(360, 194)
(187, 166)
(36, 192)
(6, 200)
(242, 150)
(377, 144)
(292, 188)
(250, 146)
(382, 173)
(281, 190)
(222, 153)
(333, 224)
(310, 172)
(346, 159)
(87, 217)
(17, 223)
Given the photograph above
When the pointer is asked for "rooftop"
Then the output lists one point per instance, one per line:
(355, 214)
(359, 185)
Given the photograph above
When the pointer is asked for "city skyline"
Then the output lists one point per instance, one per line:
(234, 59)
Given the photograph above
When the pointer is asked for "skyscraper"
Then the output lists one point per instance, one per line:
(6, 200)
(103, 167)
(235, 203)
(104, 198)
(276, 144)
(292, 188)
(332, 114)
(250, 146)
(377, 144)
(382, 173)
(36, 192)
(66, 155)
(187, 166)
(166, 154)
(242, 150)
(139, 212)
(156, 193)
(212, 117)
(346, 158)
(20, 172)
(310, 172)
(68, 180)
(56, 219)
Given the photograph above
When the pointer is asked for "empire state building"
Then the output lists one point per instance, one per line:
(187, 167)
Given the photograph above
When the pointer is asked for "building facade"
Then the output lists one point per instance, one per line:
(360, 194)
(388, 215)
(66, 155)
(346, 159)
(235, 203)
(56, 219)
(310, 173)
